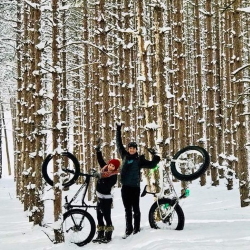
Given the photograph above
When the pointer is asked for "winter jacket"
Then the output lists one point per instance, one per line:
(104, 185)
(132, 164)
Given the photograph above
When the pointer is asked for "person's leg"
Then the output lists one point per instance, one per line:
(107, 203)
(100, 226)
(135, 199)
(99, 213)
(128, 209)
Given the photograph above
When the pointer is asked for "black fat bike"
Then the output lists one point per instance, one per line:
(78, 225)
(187, 164)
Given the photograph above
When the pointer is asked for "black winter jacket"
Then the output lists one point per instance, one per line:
(104, 185)
(132, 164)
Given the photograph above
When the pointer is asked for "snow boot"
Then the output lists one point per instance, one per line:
(137, 222)
(108, 234)
(129, 227)
(100, 234)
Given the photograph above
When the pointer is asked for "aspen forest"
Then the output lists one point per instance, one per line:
(175, 73)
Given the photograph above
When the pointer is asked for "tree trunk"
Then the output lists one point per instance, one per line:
(56, 121)
(241, 131)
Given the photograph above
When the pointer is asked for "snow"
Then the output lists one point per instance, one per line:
(214, 220)
(246, 10)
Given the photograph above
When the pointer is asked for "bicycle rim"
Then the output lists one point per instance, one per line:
(67, 161)
(165, 216)
(78, 227)
(190, 163)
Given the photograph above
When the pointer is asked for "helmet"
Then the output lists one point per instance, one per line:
(132, 145)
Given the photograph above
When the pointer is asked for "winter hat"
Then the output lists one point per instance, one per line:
(115, 162)
(132, 145)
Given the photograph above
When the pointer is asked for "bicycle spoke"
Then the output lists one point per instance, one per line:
(164, 218)
(76, 228)
(166, 215)
(189, 161)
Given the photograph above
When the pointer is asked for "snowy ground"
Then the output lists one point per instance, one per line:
(214, 220)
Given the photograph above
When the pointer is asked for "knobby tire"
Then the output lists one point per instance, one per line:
(72, 177)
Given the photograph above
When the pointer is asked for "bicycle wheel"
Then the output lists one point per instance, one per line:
(78, 227)
(166, 214)
(190, 163)
(69, 163)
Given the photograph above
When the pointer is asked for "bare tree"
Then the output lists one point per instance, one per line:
(56, 118)
(241, 130)
(211, 92)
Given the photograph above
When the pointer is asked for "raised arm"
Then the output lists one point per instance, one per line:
(149, 164)
(100, 159)
(121, 150)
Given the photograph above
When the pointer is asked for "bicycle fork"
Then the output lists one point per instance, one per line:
(169, 208)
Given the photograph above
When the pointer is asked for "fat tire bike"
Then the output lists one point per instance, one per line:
(187, 164)
(79, 227)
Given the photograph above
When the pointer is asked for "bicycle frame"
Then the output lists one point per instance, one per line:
(165, 178)
(68, 205)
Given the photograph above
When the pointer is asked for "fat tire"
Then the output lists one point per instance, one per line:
(197, 173)
(72, 179)
(177, 209)
(87, 217)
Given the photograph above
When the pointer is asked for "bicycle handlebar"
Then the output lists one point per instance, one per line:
(73, 172)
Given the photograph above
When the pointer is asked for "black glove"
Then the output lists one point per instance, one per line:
(157, 158)
(98, 146)
(152, 151)
(119, 126)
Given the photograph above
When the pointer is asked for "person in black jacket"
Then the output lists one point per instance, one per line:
(130, 180)
(106, 180)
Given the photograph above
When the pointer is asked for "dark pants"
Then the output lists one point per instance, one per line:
(131, 202)
(104, 211)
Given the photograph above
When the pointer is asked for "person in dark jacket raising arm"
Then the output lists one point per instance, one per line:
(107, 178)
(130, 180)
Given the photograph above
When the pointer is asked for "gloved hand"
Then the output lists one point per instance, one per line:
(98, 146)
(95, 173)
(152, 151)
(157, 158)
(119, 125)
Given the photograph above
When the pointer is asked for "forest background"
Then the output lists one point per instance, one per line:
(176, 73)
